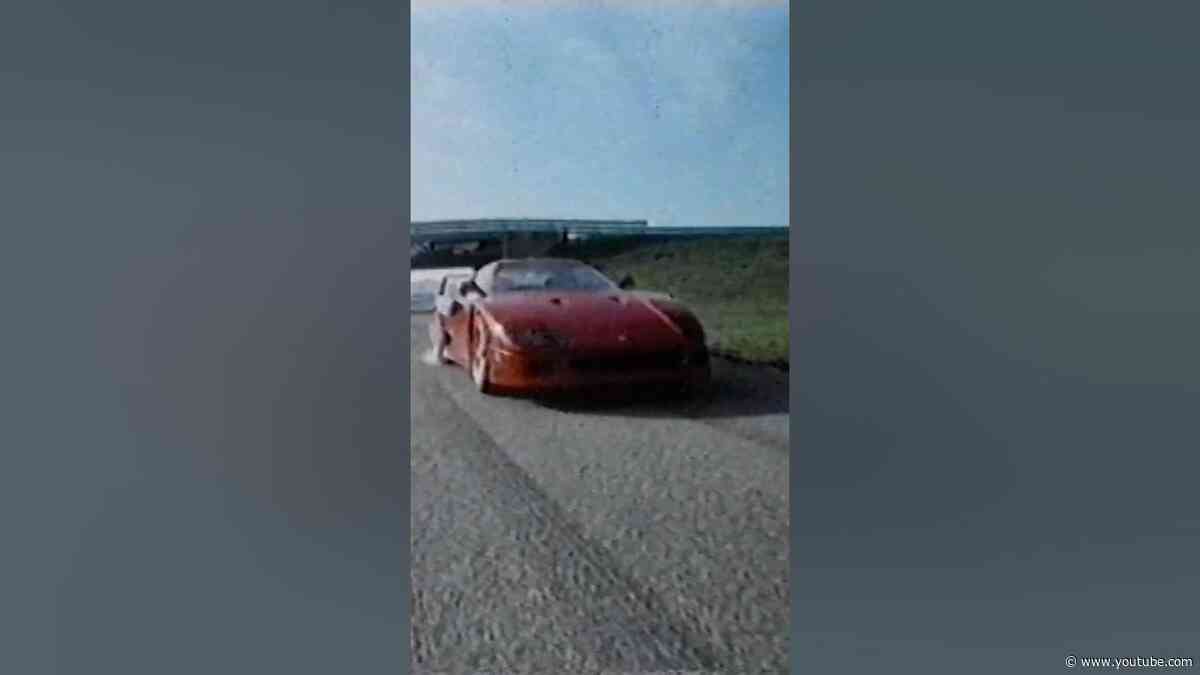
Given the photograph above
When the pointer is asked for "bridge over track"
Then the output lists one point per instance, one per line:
(474, 242)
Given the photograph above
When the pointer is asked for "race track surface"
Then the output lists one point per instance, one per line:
(633, 537)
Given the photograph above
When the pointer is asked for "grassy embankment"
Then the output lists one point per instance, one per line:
(738, 288)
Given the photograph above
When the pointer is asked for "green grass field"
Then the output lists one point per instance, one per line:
(738, 287)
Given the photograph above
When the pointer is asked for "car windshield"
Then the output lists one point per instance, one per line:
(517, 278)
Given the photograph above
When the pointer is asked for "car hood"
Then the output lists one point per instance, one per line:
(592, 322)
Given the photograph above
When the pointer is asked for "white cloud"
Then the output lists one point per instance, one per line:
(522, 113)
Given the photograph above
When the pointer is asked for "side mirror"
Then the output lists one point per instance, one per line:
(467, 287)
(454, 308)
(626, 283)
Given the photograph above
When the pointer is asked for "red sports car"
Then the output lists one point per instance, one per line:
(544, 326)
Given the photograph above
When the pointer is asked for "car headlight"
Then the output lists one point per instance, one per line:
(538, 339)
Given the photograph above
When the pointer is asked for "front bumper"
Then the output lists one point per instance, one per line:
(520, 373)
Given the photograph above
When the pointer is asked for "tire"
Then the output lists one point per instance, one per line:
(439, 352)
(698, 390)
(479, 362)
(438, 337)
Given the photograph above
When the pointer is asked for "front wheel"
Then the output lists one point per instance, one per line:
(479, 361)
(698, 388)
(438, 337)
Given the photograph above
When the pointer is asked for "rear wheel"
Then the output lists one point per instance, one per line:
(479, 362)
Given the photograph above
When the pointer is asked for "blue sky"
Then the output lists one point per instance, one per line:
(670, 111)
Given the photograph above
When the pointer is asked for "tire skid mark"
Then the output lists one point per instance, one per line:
(680, 649)
(690, 609)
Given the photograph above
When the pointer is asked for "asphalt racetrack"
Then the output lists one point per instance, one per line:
(635, 536)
